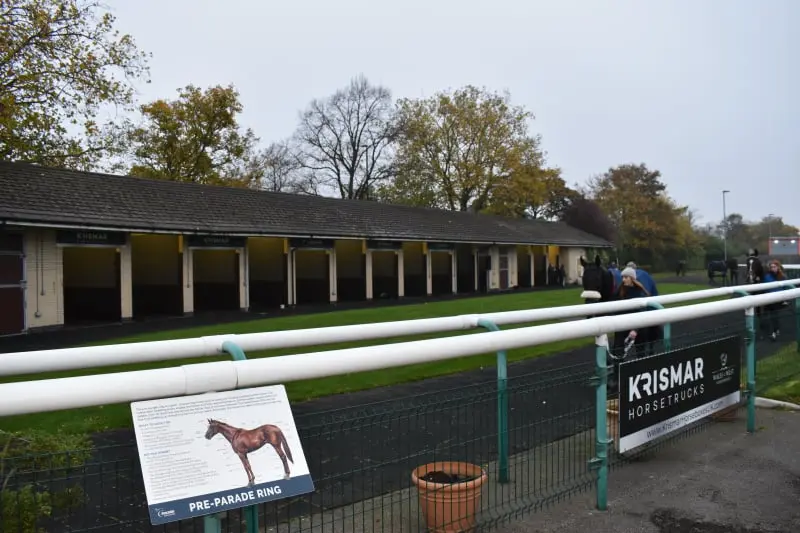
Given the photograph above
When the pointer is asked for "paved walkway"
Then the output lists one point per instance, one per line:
(719, 480)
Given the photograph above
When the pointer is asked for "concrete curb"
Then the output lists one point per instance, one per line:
(767, 403)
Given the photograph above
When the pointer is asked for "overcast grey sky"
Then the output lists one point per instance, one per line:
(706, 91)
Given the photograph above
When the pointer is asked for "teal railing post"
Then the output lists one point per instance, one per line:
(502, 406)
(250, 512)
(750, 326)
(667, 327)
(797, 320)
(600, 460)
(212, 524)
(750, 360)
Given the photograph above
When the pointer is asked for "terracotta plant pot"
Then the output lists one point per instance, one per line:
(612, 421)
(449, 494)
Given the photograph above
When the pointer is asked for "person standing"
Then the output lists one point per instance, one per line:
(771, 317)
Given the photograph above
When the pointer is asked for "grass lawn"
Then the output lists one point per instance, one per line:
(101, 418)
(782, 373)
(669, 275)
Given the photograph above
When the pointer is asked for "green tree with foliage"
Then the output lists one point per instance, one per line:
(195, 138)
(455, 148)
(532, 190)
(650, 227)
(61, 62)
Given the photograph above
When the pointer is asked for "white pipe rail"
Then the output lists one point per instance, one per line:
(86, 391)
(12, 364)
(785, 267)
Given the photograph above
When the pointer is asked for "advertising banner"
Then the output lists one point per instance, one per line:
(658, 395)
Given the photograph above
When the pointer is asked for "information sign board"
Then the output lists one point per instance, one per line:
(214, 452)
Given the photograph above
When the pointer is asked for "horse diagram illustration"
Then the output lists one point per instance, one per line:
(244, 441)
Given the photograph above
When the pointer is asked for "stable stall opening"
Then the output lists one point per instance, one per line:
(540, 274)
(12, 283)
(157, 275)
(351, 271)
(504, 276)
(215, 273)
(465, 267)
(91, 285)
(523, 267)
(385, 273)
(484, 271)
(441, 273)
(312, 277)
(414, 270)
(268, 273)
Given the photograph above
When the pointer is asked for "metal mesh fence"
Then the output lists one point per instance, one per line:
(778, 362)
(362, 457)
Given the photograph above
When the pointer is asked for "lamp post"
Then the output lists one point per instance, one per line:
(724, 225)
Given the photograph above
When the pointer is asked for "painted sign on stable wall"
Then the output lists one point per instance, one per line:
(441, 246)
(312, 244)
(663, 393)
(91, 237)
(215, 241)
(214, 452)
(384, 245)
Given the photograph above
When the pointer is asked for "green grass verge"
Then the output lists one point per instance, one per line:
(94, 419)
(780, 375)
(669, 275)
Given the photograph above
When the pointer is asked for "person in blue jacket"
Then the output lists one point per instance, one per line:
(644, 279)
(771, 318)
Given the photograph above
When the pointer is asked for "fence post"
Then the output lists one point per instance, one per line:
(251, 511)
(750, 360)
(502, 406)
(797, 321)
(212, 524)
(750, 326)
(600, 461)
(667, 327)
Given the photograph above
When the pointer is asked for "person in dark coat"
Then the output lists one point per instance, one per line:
(771, 315)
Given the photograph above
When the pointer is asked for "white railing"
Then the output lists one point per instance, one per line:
(145, 352)
(103, 389)
(785, 267)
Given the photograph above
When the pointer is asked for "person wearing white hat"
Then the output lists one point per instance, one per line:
(631, 287)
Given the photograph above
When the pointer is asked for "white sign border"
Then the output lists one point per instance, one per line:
(640, 438)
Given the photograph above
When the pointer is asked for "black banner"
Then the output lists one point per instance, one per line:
(384, 245)
(441, 246)
(660, 394)
(88, 237)
(317, 244)
(215, 241)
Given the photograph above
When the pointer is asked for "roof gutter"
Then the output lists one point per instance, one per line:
(155, 231)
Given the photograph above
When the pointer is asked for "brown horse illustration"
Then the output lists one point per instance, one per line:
(244, 441)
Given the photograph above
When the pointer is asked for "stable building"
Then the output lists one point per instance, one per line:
(86, 248)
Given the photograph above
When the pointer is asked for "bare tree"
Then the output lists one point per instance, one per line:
(276, 169)
(345, 141)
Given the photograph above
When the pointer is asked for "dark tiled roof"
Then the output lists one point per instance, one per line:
(34, 194)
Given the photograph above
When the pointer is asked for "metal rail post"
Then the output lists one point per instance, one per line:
(750, 358)
(212, 523)
(502, 406)
(600, 459)
(797, 321)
